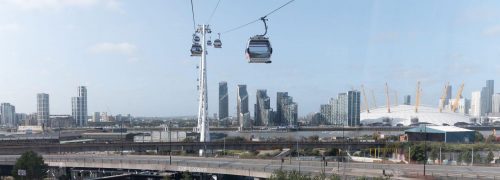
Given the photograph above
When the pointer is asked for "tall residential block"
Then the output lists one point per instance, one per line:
(8, 115)
(263, 112)
(475, 104)
(223, 104)
(485, 101)
(353, 108)
(496, 104)
(96, 117)
(243, 115)
(42, 110)
(448, 95)
(407, 100)
(490, 90)
(325, 114)
(79, 107)
(286, 110)
(280, 96)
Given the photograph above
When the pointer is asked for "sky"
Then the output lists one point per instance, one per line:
(133, 55)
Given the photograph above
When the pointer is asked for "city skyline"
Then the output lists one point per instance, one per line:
(53, 48)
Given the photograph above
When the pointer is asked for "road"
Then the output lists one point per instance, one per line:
(268, 166)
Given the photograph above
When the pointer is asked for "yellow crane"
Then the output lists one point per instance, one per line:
(443, 96)
(364, 98)
(457, 98)
(388, 99)
(417, 101)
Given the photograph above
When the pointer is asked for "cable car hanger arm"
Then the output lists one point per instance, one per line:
(265, 25)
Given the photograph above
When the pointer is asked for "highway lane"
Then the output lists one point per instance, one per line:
(265, 165)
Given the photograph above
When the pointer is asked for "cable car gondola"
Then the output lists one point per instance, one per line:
(196, 38)
(209, 43)
(217, 42)
(196, 50)
(259, 48)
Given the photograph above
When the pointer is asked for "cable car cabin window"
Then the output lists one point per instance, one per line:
(259, 49)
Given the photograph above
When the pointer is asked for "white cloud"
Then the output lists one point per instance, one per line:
(59, 4)
(12, 27)
(492, 31)
(124, 48)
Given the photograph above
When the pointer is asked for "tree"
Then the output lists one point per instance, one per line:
(491, 138)
(186, 175)
(32, 163)
(466, 156)
(418, 153)
(434, 154)
(490, 157)
(278, 175)
(478, 137)
(334, 177)
(477, 158)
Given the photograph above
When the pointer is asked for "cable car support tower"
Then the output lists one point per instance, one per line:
(203, 124)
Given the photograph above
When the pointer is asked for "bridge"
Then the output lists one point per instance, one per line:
(51, 148)
(88, 165)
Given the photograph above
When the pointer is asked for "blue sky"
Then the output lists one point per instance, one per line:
(134, 55)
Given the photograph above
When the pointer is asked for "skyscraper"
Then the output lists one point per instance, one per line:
(42, 108)
(485, 101)
(496, 104)
(407, 100)
(243, 114)
(291, 110)
(353, 108)
(263, 111)
(475, 105)
(223, 104)
(286, 110)
(280, 96)
(8, 115)
(448, 95)
(334, 103)
(325, 114)
(490, 90)
(96, 117)
(342, 109)
(79, 107)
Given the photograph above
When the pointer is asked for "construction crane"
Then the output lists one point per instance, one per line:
(457, 99)
(417, 101)
(388, 99)
(443, 97)
(364, 98)
(374, 100)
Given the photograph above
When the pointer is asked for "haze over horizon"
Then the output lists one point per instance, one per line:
(133, 56)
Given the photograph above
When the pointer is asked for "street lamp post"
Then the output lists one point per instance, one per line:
(170, 141)
(425, 146)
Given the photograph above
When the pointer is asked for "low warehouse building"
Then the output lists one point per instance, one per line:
(448, 134)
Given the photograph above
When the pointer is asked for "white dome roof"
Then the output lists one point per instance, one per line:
(402, 114)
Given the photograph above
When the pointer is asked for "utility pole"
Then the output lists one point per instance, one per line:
(472, 162)
(440, 160)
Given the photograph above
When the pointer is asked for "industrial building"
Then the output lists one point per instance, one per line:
(447, 134)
